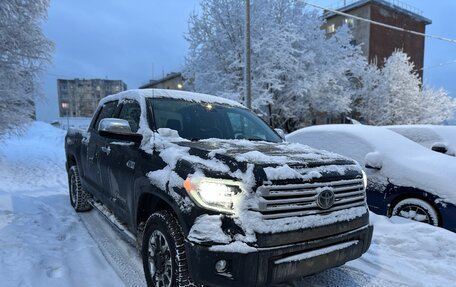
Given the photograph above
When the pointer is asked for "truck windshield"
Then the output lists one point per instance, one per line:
(195, 121)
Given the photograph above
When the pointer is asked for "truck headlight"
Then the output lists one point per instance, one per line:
(213, 194)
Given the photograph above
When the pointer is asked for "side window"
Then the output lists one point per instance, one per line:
(131, 111)
(107, 111)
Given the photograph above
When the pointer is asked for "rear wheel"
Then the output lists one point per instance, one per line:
(418, 210)
(163, 252)
(78, 197)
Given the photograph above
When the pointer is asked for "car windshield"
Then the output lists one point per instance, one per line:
(196, 121)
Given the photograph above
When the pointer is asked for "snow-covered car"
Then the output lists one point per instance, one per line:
(212, 194)
(437, 138)
(404, 178)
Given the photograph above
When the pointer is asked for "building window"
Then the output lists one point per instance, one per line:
(331, 29)
(350, 22)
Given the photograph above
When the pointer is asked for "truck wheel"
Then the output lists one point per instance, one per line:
(418, 210)
(78, 197)
(163, 252)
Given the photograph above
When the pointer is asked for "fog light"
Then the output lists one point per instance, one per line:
(220, 266)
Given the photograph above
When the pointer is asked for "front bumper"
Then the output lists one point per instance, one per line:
(277, 264)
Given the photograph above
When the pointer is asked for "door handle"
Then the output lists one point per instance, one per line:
(106, 150)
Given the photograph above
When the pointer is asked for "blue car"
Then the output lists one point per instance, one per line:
(404, 178)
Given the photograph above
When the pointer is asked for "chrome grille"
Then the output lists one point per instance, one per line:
(278, 201)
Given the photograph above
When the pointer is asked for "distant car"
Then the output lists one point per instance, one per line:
(438, 138)
(404, 178)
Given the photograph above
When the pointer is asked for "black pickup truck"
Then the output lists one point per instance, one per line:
(213, 195)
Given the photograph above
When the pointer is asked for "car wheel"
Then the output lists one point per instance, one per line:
(163, 252)
(78, 197)
(418, 210)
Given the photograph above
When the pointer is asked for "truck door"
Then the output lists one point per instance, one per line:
(93, 145)
(119, 167)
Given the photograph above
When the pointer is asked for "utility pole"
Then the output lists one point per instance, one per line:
(247, 77)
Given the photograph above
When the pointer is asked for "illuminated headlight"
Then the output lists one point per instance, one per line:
(364, 180)
(213, 194)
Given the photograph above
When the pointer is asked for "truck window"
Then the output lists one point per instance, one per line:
(131, 112)
(107, 111)
(195, 121)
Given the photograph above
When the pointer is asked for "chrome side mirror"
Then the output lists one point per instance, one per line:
(112, 125)
(118, 129)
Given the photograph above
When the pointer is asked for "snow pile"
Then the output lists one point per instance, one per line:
(409, 252)
(43, 242)
(21, 169)
(404, 163)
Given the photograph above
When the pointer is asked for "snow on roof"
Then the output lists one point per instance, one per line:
(404, 162)
(173, 94)
(429, 135)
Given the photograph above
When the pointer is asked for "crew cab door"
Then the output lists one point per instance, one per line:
(120, 166)
(93, 145)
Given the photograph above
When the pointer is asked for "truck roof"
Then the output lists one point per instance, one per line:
(173, 94)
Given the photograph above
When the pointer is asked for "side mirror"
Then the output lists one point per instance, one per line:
(440, 147)
(281, 133)
(373, 160)
(118, 129)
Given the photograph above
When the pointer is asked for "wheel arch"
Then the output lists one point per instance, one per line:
(153, 200)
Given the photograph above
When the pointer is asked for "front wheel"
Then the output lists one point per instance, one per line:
(418, 210)
(163, 252)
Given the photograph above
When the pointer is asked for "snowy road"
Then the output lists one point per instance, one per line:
(43, 242)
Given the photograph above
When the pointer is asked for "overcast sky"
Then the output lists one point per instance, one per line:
(138, 40)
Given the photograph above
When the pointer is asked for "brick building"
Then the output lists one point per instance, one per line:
(80, 97)
(380, 42)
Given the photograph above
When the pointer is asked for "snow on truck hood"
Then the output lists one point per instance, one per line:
(404, 162)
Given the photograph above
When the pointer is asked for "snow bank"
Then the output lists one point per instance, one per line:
(409, 252)
(43, 242)
(404, 162)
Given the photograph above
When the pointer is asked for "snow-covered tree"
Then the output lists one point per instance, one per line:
(393, 95)
(24, 54)
(297, 72)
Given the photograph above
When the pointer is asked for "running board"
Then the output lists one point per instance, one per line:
(112, 219)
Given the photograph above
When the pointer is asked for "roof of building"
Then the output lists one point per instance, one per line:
(168, 77)
(395, 5)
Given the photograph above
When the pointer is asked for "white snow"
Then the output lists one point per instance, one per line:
(140, 94)
(403, 162)
(429, 135)
(208, 228)
(43, 242)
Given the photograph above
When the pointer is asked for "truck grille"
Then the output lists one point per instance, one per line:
(278, 201)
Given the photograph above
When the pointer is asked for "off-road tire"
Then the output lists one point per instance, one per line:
(421, 207)
(78, 197)
(166, 224)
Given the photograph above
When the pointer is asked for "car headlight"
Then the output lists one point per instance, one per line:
(364, 179)
(213, 194)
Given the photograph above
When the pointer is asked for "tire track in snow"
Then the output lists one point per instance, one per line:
(120, 255)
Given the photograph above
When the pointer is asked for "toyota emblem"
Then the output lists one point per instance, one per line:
(326, 199)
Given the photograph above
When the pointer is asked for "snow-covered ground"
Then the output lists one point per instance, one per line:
(43, 242)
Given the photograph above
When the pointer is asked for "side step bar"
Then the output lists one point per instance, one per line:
(112, 219)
